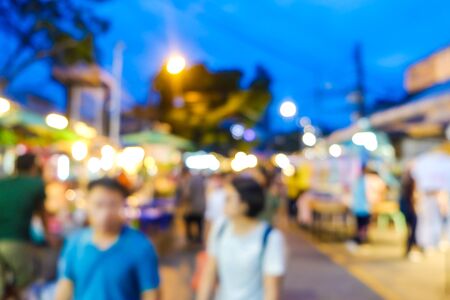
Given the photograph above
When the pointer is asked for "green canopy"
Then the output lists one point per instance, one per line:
(35, 124)
(154, 137)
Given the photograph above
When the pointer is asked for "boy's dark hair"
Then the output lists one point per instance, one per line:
(110, 184)
(251, 193)
(25, 163)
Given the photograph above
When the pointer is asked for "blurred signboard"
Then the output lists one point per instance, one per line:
(88, 105)
(428, 72)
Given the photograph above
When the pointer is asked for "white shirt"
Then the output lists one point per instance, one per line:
(431, 171)
(240, 266)
(215, 205)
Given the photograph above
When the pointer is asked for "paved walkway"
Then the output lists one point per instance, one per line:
(382, 267)
(311, 275)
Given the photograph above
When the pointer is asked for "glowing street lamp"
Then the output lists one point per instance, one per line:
(57, 121)
(5, 105)
(288, 109)
(176, 64)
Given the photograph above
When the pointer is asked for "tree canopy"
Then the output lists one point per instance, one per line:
(59, 31)
(202, 105)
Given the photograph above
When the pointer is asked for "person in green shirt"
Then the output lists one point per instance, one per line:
(21, 196)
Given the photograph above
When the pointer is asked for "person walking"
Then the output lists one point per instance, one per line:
(215, 200)
(246, 257)
(407, 207)
(361, 207)
(108, 260)
(21, 196)
(195, 208)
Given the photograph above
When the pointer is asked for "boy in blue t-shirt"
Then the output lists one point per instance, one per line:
(107, 261)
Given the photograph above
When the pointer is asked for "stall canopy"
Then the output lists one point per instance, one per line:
(30, 127)
(154, 137)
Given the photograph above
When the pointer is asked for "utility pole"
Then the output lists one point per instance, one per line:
(360, 79)
(116, 94)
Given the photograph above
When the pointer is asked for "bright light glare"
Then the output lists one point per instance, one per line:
(366, 139)
(237, 131)
(108, 157)
(70, 195)
(130, 159)
(5, 105)
(152, 167)
(249, 135)
(108, 151)
(282, 161)
(243, 161)
(176, 64)
(203, 162)
(288, 109)
(94, 165)
(252, 161)
(63, 167)
(57, 121)
(309, 139)
(79, 150)
(289, 170)
(335, 150)
(84, 130)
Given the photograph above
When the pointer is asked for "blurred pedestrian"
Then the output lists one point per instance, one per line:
(21, 196)
(407, 207)
(275, 194)
(215, 200)
(108, 260)
(361, 207)
(195, 208)
(246, 257)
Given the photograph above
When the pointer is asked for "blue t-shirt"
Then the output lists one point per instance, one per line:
(361, 206)
(122, 272)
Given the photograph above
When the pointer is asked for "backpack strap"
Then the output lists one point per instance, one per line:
(265, 241)
(221, 230)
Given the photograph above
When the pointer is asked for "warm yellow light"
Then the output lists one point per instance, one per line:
(176, 64)
(252, 161)
(79, 150)
(243, 161)
(84, 130)
(57, 121)
(63, 167)
(281, 160)
(94, 165)
(108, 151)
(5, 106)
(108, 157)
(289, 170)
(130, 159)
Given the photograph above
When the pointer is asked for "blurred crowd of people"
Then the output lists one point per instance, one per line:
(231, 215)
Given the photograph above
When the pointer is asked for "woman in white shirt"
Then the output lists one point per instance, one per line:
(246, 257)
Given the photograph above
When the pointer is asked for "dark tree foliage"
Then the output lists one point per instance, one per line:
(200, 104)
(61, 31)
